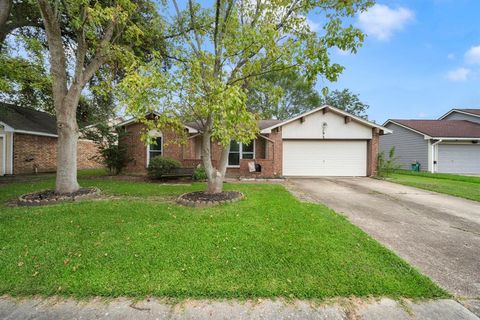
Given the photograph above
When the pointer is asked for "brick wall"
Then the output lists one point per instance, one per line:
(271, 160)
(30, 152)
(137, 150)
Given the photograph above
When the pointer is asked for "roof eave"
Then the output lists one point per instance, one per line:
(426, 136)
(126, 122)
(305, 114)
(6, 127)
(459, 111)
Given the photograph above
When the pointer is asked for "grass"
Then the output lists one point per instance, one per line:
(267, 245)
(456, 185)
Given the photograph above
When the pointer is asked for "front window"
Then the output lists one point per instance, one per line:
(239, 151)
(155, 149)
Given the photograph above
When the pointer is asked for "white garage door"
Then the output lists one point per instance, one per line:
(459, 158)
(324, 158)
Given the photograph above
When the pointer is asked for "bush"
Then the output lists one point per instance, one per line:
(199, 174)
(112, 154)
(386, 166)
(160, 166)
(114, 157)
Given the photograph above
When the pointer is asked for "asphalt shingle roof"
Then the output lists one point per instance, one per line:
(262, 124)
(27, 119)
(472, 111)
(444, 128)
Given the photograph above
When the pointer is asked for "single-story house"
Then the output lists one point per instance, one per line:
(28, 142)
(450, 144)
(325, 141)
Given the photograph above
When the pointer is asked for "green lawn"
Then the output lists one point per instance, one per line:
(139, 242)
(461, 186)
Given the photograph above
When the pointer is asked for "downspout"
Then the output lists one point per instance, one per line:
(434, 155)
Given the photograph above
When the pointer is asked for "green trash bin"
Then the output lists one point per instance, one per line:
(415, 166)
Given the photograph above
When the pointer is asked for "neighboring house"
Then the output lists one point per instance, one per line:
(323, 142)
(448, 145)
(28, 142)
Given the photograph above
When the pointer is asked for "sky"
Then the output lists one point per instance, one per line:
(420, 59)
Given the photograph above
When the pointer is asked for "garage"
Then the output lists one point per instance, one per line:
(324, 158)
(459, 158)
(326, 142)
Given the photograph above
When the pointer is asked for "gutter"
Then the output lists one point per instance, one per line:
(434, 162)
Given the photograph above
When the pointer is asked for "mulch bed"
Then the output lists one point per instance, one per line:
(50, 196)
(203, 199)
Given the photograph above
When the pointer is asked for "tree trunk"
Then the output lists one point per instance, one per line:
(67, 129)
(5, 7)
(215, 176)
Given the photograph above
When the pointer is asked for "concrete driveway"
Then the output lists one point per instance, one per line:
(437, 233)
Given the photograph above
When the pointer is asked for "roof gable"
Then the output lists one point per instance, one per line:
(327, 108)
(471, 112)
(441, 128)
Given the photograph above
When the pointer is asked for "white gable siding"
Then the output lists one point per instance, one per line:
(461, 116)
(409, 146)
(312, 128)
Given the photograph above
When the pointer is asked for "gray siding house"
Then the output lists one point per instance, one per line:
(450, 144)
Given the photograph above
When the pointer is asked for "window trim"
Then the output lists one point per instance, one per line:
(148, 149)
(240, 151)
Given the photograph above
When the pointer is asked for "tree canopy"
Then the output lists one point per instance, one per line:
(223, 50)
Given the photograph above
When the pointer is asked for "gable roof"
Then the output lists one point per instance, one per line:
(262, 124)
(336, 110)
(441, 128)
(28, 120)
(196, 126)
(472, 112)
(132, 120)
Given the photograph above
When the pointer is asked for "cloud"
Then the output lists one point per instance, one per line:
(459, 74)
(314, 26)
(451, 56)
(381, 21)
(472, 56)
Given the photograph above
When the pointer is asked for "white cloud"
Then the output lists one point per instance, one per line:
(459, 74)
(314, 26)
(451, 56)
(381, 21)
(472, 56)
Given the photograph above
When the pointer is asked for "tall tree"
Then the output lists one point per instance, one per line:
(223, 50)
(17, 15)
(106, 33)
(348, 101)
(282, 95)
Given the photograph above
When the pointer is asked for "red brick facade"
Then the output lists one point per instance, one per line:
(372, 153)
(268, 153)
(32, 153)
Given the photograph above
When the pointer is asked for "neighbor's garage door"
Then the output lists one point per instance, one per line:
(324, 158)
(459, 158)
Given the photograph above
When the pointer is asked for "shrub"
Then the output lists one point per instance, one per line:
(112, 154)
(386, 166)
(114, 157)
(160, 166)
(199, 174)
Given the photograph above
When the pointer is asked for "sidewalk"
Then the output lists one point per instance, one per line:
(339, 309)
